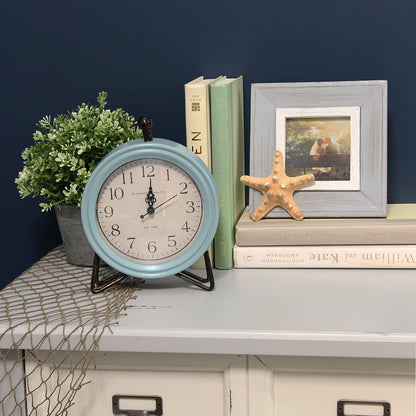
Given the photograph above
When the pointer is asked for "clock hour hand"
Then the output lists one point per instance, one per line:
(153, 209)
(150, 199)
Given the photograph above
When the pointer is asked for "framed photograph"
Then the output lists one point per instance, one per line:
(322, 141)
(335, 130)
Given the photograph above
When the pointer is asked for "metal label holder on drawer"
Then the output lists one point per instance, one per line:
(342, 403)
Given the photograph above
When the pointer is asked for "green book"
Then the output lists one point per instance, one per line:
(227, 135)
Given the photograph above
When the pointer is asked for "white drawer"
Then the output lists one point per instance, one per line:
(214, 385)
(293, 386)
(188, 384)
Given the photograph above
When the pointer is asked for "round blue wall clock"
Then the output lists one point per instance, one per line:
(150, 208)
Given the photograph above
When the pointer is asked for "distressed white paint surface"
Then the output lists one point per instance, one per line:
(371, 97)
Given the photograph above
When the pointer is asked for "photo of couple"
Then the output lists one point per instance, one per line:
(324, 147)
(321, 146)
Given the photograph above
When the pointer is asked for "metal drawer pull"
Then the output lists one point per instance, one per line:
(158, 411)
(342, 403)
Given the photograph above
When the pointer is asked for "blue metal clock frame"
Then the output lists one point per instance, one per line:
(171, 152)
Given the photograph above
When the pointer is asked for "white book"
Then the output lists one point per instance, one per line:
(378, 256)
(198, 128)
(198, 118)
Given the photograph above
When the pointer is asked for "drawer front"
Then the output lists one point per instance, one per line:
(165, 384)
(310, 386)
(182, 393)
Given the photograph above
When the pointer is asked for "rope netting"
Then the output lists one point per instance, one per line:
(50, 308)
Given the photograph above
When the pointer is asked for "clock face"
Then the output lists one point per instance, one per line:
(149, 211)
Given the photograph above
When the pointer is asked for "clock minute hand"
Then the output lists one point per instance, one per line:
(153, 209)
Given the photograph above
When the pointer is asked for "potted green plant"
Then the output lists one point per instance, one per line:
(59, 163)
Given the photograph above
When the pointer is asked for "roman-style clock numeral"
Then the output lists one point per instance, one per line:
(184, 188)
(116, 193)
(151, 247)
(148, 171)
(185, 227)
(171, 240)
(127, 178)
(190, 207)
(108, 211)
(115, 230)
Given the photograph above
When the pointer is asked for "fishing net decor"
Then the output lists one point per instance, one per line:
(50, 307)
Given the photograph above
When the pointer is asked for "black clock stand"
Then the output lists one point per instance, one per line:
(205, 283)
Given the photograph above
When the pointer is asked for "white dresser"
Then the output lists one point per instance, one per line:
(264, 342)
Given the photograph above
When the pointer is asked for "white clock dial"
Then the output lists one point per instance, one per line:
(149, 211)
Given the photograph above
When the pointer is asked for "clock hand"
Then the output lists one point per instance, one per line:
(153, 209)
(150, 199)
(150, 210)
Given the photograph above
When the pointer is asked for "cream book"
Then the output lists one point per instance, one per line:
(198, 118)
(198, 128)
(399, 227)
(276, 257)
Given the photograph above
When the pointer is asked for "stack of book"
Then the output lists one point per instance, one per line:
(214, 115)
(328, 242)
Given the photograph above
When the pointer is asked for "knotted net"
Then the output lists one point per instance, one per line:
(48, 308)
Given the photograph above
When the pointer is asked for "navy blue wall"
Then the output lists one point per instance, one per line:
(56, 54)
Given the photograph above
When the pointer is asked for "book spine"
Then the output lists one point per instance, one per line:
(197, 121)
(337, 234)
(384, 256)
(222, 170)
(239, 170)
(227, 132)
(198, 131)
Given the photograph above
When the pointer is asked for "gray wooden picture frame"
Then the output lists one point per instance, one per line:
(371, 96)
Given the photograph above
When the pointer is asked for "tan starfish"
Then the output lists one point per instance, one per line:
(277, 189)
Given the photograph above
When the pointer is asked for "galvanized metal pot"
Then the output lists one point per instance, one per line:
(77, 248)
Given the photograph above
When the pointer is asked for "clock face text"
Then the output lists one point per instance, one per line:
(149, 211)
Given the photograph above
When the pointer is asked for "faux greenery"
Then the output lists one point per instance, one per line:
(67, 150)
